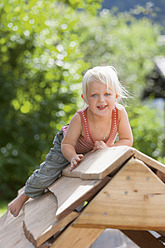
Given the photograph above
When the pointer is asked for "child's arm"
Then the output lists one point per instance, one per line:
(70, 139)
(124, 129)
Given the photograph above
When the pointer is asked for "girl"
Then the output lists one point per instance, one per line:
(92, 128)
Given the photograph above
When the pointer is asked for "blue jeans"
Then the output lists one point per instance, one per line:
(49, 171)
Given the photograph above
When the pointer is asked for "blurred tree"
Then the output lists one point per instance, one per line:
(147, 130)
(45, 46)
(119, 39)
(40, 71)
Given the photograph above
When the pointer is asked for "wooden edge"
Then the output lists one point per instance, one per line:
(48, 243)
(127, 154)
(77, 237)
(95, 212)
(55, 227)
(3, 219)
(162, 233)
(116, 166)
(86, 197)
(45, 245)
(123, 227)
(59, 225)
(143, 239)
(149, 161)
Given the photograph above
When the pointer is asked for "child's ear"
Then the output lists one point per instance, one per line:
(117, 96)
(82, 96)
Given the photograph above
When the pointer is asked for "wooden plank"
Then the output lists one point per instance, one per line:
(149, 161)
(99, 164)
(11, 232)
(143, 239)
(52, 229)
(2, 220)
(47, 243)
(102, 162)
(40, 221)
(133, 199)
(77, 237)
(162, 233)
(39, 216)
(71, 192)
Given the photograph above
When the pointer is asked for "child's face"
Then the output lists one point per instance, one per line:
(101, 100)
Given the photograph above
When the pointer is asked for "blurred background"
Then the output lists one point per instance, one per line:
(46, 47)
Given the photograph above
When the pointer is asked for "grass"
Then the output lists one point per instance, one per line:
(3, 207)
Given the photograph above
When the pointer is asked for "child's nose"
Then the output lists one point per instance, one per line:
(101, 98)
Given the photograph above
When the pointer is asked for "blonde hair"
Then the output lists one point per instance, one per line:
(106, 75)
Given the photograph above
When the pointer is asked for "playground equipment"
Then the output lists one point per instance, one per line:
(111, 188)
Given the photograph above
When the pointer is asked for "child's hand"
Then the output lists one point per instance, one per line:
(75, 160)
(99, 145)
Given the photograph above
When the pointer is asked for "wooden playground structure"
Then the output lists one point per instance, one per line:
(113, 188)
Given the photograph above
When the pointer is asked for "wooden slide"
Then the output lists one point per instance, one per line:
(114, 188)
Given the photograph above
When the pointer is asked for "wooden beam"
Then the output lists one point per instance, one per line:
(71, 192)
(11, 232)
(162, 233)
(97, 165)
(40, 222)
(77, 237)
(143, 239)
(149, 161)
(134, 199)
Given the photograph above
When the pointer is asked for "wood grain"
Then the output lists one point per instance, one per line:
(143, 239)
(99, 164)
(71, 192)
(77, 237)
(11, 232)
(134, 199)
(149, 161)
(39, 217)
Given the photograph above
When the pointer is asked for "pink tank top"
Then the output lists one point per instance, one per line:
(86, 143)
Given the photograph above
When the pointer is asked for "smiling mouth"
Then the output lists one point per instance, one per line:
(101, 107)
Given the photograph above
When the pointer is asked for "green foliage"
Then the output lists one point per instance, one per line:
(121, 40)
(44, 48)
(90, 6)
(3, 208)
(147, 130)
(40, 71)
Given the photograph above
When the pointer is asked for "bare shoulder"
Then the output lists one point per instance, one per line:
(124, 128)
(121, 111)
(120, 107)
(76, 119)
(74, 130)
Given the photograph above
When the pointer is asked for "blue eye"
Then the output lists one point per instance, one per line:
(107, 94)
(94, 95)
